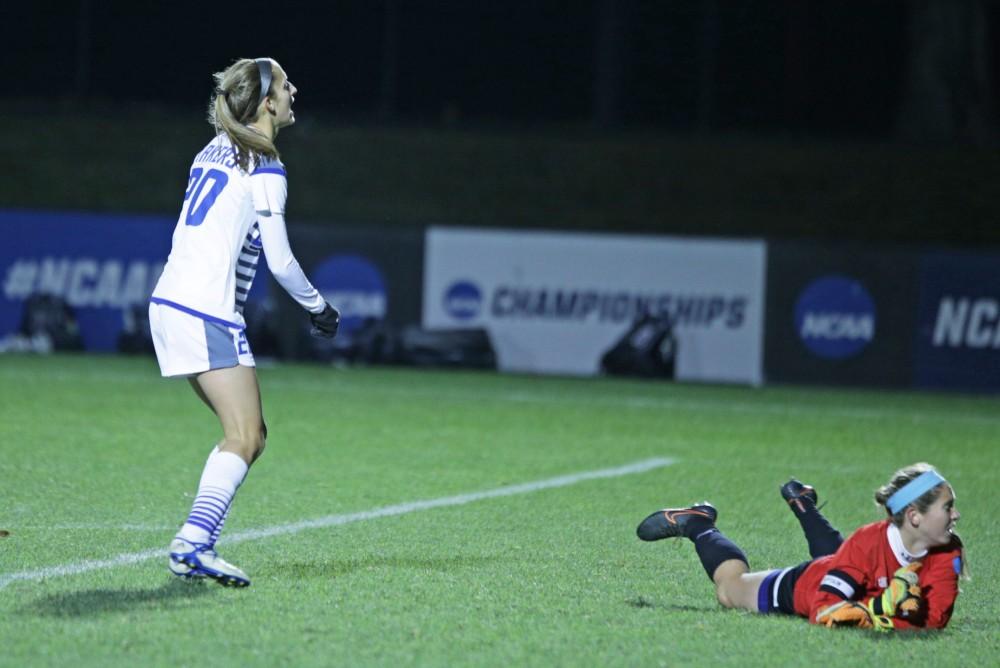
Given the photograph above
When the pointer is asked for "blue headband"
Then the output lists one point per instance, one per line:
(913, 490)
(265, 69)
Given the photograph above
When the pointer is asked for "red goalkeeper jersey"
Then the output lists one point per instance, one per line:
(863, 567)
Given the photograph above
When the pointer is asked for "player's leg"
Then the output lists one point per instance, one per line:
(822, 537)
(201, 393)
(234, 395)
(219, 358)
(226, 386)
(737, 587)
(767, 592)
(724, 562)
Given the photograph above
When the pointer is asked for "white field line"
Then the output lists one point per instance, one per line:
(338, 520)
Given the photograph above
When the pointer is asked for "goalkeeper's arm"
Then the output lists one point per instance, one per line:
(902, 597)
(900, 600)
(853, 613)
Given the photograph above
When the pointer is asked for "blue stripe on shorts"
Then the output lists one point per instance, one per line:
(221, 349)
(198, 314)
(767, 598)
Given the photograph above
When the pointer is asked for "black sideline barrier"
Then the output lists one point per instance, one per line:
(840, 314)
(373, 275)
(958, 331)
(837, 314)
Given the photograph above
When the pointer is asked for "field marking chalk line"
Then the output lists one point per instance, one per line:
(349, 518)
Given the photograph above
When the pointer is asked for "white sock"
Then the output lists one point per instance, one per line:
(218, 527)
(222, 476)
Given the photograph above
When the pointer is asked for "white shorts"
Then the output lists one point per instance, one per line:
(188, 343)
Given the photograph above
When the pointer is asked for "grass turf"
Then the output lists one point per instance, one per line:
(100, 458)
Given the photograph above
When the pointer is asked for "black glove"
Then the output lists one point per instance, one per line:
(325, 323)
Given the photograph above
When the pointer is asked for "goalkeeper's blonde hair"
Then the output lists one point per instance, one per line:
(922, 503)
(899, 480)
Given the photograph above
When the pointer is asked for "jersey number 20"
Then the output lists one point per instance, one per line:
(200, 199)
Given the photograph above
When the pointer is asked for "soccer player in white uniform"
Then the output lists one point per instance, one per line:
(234, 207)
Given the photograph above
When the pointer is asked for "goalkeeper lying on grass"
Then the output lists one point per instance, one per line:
(899, 573)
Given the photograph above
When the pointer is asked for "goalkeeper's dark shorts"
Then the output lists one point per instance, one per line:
(777, 591)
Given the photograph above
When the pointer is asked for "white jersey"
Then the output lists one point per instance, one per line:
(228, 216)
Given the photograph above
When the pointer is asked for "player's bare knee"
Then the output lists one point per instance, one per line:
(724, 597)
(260, 442)
(247, 442)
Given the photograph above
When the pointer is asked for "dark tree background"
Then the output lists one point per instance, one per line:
(841, 119)
(914, 69)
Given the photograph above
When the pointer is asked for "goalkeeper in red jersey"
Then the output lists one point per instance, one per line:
(899, 573)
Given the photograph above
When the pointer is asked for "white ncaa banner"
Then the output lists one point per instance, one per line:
(556, 302)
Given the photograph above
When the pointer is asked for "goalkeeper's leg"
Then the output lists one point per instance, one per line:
(727, 566)
(737, 587)
(722, 559)
(822, 537)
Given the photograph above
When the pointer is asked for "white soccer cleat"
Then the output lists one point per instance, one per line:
(196, 560)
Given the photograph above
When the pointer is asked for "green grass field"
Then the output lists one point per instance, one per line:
(99, 458)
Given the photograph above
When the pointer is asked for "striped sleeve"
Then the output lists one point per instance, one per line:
(269, 183)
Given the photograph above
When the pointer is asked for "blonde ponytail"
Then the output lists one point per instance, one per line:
(237, 96)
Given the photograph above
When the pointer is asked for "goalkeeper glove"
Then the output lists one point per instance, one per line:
(326, 322)
(902, 597)
(851, 613)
